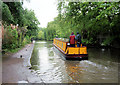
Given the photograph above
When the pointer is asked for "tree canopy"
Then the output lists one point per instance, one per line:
(27, 23)
(97, 22)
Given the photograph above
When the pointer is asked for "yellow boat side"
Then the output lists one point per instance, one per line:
(69, 50)
(61, 44)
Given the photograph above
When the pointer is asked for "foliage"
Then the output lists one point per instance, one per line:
(6, 14)
(26, 40)
(24, 19)
(40, 35)
(95, 21)
(10, 39)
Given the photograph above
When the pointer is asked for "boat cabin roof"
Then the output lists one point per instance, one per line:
(62, 39)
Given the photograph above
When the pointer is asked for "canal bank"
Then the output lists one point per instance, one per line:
(15, 67)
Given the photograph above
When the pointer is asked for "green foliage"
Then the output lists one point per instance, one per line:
(6, 14)
(26, 40)
(14, 13)
(10, 39)
(90, 19)
(30, 18)
(16, 10)
(108, 41)
(40, 35)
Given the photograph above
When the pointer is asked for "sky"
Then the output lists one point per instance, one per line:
(45, 10)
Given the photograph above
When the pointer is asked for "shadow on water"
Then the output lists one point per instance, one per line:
(49, 64)
(103, 56)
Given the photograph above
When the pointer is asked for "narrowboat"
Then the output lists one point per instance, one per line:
(70, 52)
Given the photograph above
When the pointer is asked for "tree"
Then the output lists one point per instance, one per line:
(6, 14)
(90, 19)
(40, 35)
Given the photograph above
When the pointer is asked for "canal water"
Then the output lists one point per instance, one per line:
(49, 64)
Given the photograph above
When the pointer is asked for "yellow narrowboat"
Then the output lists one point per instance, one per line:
(70, 52)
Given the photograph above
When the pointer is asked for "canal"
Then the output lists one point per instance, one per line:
(48, 64)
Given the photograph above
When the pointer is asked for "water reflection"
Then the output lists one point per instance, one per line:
(74, 71)
(44, 60)
(48, 63)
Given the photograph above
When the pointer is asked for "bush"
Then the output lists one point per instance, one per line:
(11, 39)
(26, 40)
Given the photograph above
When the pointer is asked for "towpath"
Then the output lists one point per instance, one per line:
(15, 67)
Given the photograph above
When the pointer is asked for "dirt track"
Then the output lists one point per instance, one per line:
(16, 69)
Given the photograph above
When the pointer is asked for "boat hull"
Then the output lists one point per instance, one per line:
(73, 56)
